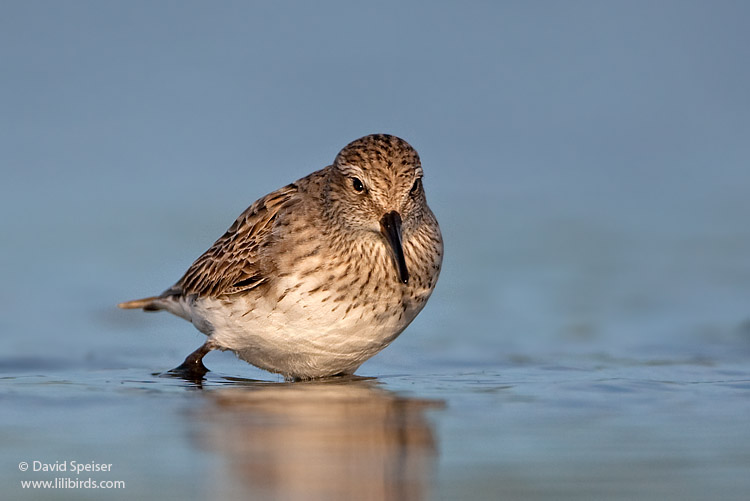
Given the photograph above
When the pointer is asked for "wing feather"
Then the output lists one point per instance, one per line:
(233, 263)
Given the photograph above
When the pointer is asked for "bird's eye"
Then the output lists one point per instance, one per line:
(357, 184)
(416, 186)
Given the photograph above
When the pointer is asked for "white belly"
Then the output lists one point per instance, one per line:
(303, 335)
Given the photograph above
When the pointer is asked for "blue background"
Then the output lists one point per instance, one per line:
(589, 163)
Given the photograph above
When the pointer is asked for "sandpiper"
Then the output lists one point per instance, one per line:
(317, 277)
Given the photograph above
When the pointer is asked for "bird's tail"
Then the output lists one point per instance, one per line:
(147, 303)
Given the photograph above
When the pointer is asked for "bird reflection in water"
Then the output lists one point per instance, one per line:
(345, 438)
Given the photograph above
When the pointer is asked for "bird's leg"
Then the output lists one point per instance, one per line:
(193, 364)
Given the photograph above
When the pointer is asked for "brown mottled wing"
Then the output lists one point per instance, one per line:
(233, 263)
